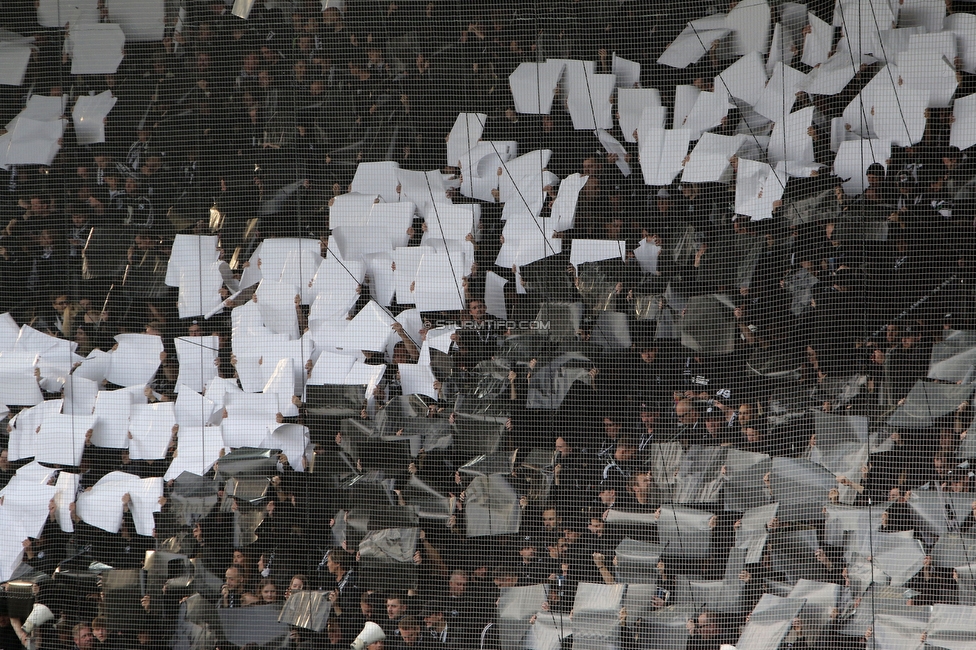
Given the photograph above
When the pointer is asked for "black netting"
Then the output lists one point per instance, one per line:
(465, 325)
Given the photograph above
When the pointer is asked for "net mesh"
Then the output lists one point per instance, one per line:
(467, 325)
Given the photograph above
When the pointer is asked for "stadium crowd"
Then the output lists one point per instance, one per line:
(769, 408)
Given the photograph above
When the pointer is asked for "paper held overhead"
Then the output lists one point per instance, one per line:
(962, 133)
(745, 79)
(631, 103)
(14, 58)
(690, 46)
(141, 20)
(58, 13)
(661, 151)
(465, 133)
(34, 142)
(96, 48)
(89, 115)
(854, 157)
(710, 160)
(533, 86)
(791, 139)
(816, 44)
(627, 73)
(750, 20)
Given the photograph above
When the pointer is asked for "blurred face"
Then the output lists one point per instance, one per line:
(562, 447)
(296, 585)
(458, 584)
(395, 609)
(642, 482)
(233, 578)
(596, 526)
(477, 309)
(100, 633)
(410, 635)
(269, 593)
(84, 638)
(707, 626)
(686, 413)
(549, 519)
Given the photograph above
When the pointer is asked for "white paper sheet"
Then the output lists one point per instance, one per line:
(662, 153)
(533, 86)
(631, 103)
(291, 439)
(248, 417)
(101, 506)
(495, 295)
(790, 139)
(370, 328)
(199, 292)
(647, 255)
(685, 97)
(563, 212)
(30, 504)
(527, 240)
(750, 21)
(757, 187)
(439, 285)
(193, 409)
(707, 113)
(690, 46)
(465, 133)
(141, 20)
(34, 142)
(135, 360)
(14, 58)
(854, 157)
(963, 26)
(596, 250)
(96, 48)
(89, 115)
(151, 429)
(197, 356)
(378, 179)
(64, 495)
(190, 253)
(901, 120)
(79, 396)
(417, 379)
(627, 73)
(61, 439)
(58, 13)
(611, 145)
(407, 262)
(589, 97)
(816, 45)
(112, 411)
(18, 386)
(778, 97)
(962, 133)
(380, 272)
(197, 449)
(745, 79)
(709, 161)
